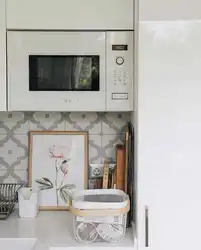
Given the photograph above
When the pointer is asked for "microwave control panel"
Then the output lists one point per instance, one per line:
(119, 70)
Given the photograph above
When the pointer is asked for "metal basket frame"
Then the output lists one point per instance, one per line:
(8, 198)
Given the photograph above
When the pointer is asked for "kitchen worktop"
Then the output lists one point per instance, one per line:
(53, 229)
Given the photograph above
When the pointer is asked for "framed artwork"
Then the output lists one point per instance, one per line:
(58, 164)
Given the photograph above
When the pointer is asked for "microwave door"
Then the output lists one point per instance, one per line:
(67, 67)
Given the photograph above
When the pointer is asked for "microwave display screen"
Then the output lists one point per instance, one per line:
(64, 73)
(121, 47)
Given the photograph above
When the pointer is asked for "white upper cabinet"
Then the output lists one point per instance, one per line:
(70, 14)
(2, 57)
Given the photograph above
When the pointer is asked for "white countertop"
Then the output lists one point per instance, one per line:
(53, 229)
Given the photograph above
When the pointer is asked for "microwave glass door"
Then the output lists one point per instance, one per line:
(64, 73)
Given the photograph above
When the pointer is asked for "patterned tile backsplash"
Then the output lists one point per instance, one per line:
(105, 131)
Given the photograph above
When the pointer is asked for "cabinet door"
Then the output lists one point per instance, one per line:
(2, 57)
(169, 135)
(70, 14)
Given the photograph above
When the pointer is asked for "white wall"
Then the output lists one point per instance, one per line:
(157, 10)
(169, 123)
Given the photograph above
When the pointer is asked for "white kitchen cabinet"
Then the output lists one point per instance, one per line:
(2, 57)
(169, 135)
(70, 14)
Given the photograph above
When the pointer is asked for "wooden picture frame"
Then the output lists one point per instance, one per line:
(57, 164)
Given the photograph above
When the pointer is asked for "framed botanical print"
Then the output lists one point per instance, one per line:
(58, 164)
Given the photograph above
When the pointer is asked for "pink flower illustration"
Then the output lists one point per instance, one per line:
(61, 164)
(60, 155)
(57, 151)
(64, 170)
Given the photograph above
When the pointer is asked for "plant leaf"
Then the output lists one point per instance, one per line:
(47, 180)
(64, 195)
(44, 182)
(68, 186)
(45, 187)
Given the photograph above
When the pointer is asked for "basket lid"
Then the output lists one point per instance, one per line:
(100, 199)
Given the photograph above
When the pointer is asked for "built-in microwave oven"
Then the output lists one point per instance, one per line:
(70, 71)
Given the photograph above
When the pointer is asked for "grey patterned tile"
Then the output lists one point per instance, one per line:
(13, 122)
(3, 175)
(105, 131)
(21, 176)
(89, 121)
(21, 164)
(13, 151)
(3, 167)
(47, 121)
(13, 177)
(109, 143)
(95, 149)
(114, 123)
